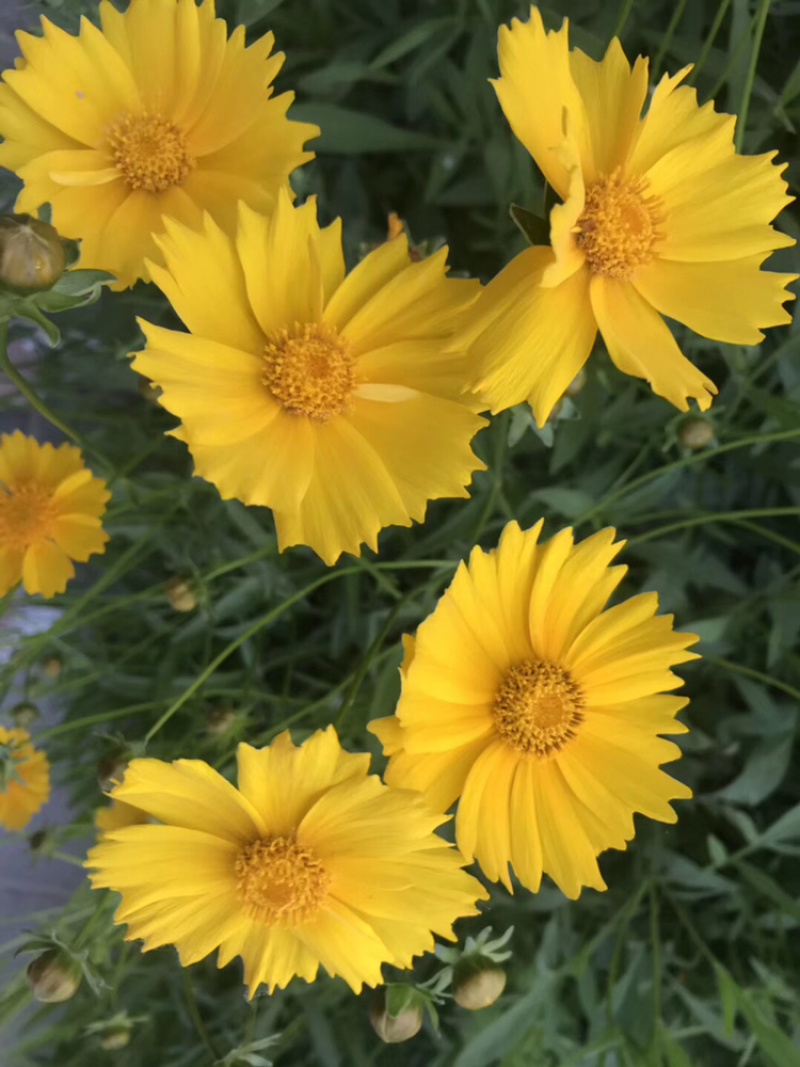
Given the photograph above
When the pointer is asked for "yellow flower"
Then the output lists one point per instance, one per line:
(310, 861)
(336, 401)
(50, 509)
(157, 113)
(660, 216)
(24, 779)
(116, 815)
(540, 709)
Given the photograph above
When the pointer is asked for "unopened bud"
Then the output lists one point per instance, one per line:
(52, 666)
(24, 714)
(40, 841)
(577, 383)
(696, 433)
(394, 1028)
(53, 977)
(114, 1038)
(476, 989)
(111, 770)
(220, 719)
(31, 253)
(180, 594)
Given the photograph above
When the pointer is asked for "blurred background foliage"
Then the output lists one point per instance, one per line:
(691, 957)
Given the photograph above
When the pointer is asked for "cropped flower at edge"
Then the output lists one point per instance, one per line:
(539, 710)
(336, 401)
(157, 113)
(310, 861)
(24, 779)
(660, 216)
(50, 511)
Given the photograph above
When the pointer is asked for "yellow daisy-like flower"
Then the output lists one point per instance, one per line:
(156, 113)
(336, 401)
(24, 779)
(310, 861)
(660, 216)
(539, 709)
(50, 509)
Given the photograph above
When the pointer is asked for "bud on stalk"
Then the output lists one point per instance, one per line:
(31, 253)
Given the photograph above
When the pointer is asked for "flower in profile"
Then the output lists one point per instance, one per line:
(336, 401)
(310, 861)
(24, 779)
(50, 510)
(540, 709)
(659, 216)
(155, 113)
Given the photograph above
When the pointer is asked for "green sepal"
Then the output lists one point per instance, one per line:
(534, 228)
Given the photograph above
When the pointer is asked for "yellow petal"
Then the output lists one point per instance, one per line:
(483, 820)
(10, 568)
(536, 88)
(366, 279)
(439, 775)
(729, 301)
(46, 569)
(79, 535)
(567, 853)
(534, 348)
(640, 343)
(526, 841)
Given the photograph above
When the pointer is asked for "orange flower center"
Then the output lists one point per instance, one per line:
(619, 225)
(280, 881)
(537, 707)
(310, 370)
(150, 151)
(26, 515)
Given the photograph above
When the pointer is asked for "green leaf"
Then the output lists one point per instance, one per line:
(533, 227)
(351, 133)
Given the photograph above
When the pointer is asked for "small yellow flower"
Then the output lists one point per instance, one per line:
(156, 113)
(24, 779)
(336, 401)
(50, 510)
(539, 709)
(310, 861)
(660, 216)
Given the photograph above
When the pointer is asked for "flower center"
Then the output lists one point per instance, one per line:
(26, 515)
(310, 370)
(280, 881)
(619, 225)
(537, 707)
(150, 151)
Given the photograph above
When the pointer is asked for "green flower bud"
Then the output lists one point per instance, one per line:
(31, 253)
(695, 433)
(24, 714)
(111, 769)
(394, 1028)
(52, 666)
(476, 988)
(180, 594)
(220, 719)
(53, 977)
(577, 383)
(116, 1037)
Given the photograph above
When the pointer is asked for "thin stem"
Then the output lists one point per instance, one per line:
(197, 1019)
(744, 107)
(751, 672)
(708, 44)
(719, 516)
(39, 405)
(625, 8)
(666, 38)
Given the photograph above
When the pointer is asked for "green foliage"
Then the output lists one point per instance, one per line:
(691, 957)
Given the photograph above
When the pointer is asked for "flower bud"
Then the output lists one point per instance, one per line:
(53, 977)
(116, 1037)
(52, 666)
(220, 719)
(394, 1028)
(24, 714)
(695, 433)
(111, 769)
(475, 989)
(41, 841)
(31, 253)
(180, 594)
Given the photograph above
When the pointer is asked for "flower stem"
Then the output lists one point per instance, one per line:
(761, 21)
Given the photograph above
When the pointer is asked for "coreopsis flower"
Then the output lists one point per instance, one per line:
(24, 779)
(336, 401)
(539, 709)
(659, 216)
(310, 861)
(50, 510)
(155, 113)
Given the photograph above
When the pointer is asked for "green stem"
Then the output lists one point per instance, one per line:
(38, 404)
(720, 516)
(197, 1019)
(751, 672)
(625, 8)
(708, 44)
(666, 38)
(744, 107)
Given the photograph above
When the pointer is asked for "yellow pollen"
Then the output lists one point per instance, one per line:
(27, 512)
(537, 707)
(310, 370)
(619, 225)
(279, 881)
(150, 151)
